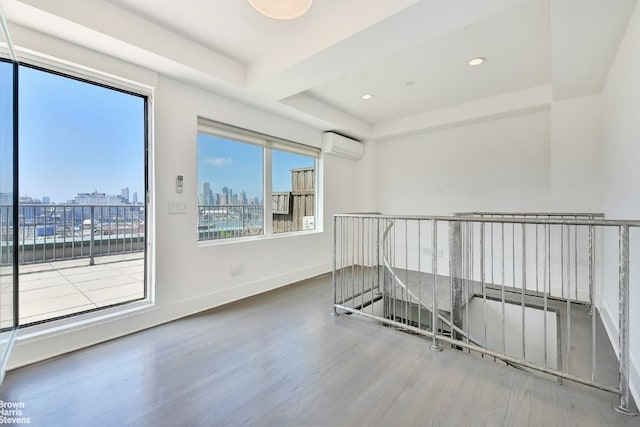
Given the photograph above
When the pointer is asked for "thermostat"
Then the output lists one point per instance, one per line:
(179, 183)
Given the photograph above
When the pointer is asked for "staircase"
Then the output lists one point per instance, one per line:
(519, 290)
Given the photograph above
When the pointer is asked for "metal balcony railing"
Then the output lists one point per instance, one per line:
(228, 221)
(545, 292)
(50, 232)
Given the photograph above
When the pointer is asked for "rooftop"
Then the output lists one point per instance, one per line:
(59, 288)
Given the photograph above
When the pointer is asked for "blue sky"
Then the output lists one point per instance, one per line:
(78, 137)
(225, 163)
(6, 128)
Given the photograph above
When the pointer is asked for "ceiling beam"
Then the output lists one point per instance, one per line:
(537, 98)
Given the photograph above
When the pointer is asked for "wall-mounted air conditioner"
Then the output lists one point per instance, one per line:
(336, 144)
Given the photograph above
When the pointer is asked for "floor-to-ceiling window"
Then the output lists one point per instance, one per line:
(82, 195)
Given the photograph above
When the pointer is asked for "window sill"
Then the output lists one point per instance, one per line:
(262, 237)
(83, 321)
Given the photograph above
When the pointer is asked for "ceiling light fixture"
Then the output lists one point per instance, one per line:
(367, 97)
(282, 9)
(477, 61)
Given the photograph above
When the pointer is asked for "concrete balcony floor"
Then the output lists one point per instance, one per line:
(59, 288)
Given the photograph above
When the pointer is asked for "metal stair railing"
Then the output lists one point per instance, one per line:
(548, 263)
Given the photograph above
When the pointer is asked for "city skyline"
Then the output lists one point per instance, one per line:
(206, 196)
(232, 164)
(124, 193)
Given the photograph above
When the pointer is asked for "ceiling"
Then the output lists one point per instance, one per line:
(410, 55)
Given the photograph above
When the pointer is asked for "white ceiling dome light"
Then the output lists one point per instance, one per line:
(282, 9)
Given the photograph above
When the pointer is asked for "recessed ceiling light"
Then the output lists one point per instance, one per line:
(366, 96)
(477, 61)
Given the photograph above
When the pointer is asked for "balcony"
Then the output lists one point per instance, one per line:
(72, 258)
(228, 221)
(61, 288)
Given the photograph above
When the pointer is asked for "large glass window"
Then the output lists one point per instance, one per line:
(230, 199)
(252, 184)
(82, 195)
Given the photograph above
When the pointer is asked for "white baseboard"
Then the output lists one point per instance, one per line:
(34, 349)
(610, 327)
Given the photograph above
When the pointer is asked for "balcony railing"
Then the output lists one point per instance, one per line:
(227, 221)
(48, 232)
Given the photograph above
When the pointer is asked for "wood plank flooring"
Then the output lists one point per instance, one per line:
(280, 359)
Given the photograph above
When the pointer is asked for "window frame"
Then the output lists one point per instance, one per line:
(268, 144)
(66, 69)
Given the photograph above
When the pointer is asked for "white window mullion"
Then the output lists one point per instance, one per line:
(318, 202)
(268, 198)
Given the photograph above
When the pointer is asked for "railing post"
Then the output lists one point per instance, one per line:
(623, 322)
(455, 275)
(91, 238)
(434, 271)
(591, 270)
(333, 273)
(378, 263)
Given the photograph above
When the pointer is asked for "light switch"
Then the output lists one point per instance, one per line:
(177, 207)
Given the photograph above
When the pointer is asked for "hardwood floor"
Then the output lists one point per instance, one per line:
(280, 359)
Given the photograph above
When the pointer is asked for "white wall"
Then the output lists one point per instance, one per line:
(499, 165)
(621, 176)
(576, 144)
(364, 175)
(189, 277)
(205, 271)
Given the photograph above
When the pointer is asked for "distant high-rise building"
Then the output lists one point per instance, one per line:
(225, 196)
(125, 194)
(206, 193)
(243, 198)
(46, 200)
(135, 198)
